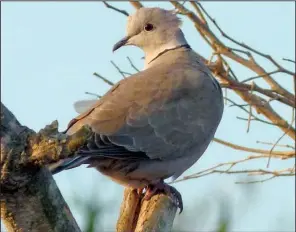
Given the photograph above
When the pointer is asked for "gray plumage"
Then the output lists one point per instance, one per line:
(157, 123)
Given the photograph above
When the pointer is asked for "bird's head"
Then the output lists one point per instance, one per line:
(153, 30)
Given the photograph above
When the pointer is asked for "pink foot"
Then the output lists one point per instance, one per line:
(170, 191)
(140, 191)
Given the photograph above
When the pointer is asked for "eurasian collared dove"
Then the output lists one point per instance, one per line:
(157, 123)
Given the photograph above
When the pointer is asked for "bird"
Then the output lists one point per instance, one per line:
(155, 124)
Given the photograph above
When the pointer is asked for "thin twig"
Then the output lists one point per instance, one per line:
(256, 88)
(259, 76)
(255, 181)
(212, 170)
(123, 73)
(244, 45)
(229, 69)
(293, 61)
(116, 9)
(225, 98)
(223, 49)
(277, 145)
(243, 105)
(250, 110)
(280, 138)
(275, 174)
(93, 94)
(103, 79)
(249, 55)
(254, 118)
(237, 105)
(259, 103)
(132, 64)
(253, 150)
(202, 18)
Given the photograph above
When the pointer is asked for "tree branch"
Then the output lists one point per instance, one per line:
(129, 211)
(137, 215)
(268, 57)
(259, 172)
(259, 103)
(221, 48)
(103, 79)
(116, 9)
(37, 206)
(30, 198)
(254, 150)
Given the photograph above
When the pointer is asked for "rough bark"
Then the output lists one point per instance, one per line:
(30, 198)
(37, 206)
(137, 215)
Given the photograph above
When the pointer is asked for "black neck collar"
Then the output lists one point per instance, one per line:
(166, 50)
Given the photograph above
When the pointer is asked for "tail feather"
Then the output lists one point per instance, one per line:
(66, 164)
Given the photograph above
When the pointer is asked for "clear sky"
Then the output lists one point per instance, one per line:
(49, 51)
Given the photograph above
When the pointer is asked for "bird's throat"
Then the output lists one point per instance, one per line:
(153, 54)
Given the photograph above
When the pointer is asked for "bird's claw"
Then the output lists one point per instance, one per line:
(170, 191)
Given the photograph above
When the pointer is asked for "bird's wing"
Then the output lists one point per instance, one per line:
(158, 111)
(84, 105)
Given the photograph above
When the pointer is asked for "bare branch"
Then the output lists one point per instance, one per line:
(250, 110)
(122, 73)
(220, 47)
(103, 79)
(132, 64)
(256, 77)
(198, 11)
(93, 94)
(254, 118)
(229, 69)
(280, 68)
(243, 87)
(260, 104)
(292, 61)
(230, 165)
(116, 9)
(277, 145)
(249, 55)
(254, 150)
(280, 138)
(237, 105)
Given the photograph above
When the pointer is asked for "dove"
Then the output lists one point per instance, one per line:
(155, 124)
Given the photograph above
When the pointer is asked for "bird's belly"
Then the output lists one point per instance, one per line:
(135, 174)
(128, 182)
(119, 171)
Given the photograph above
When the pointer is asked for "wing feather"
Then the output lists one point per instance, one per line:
(159, 111)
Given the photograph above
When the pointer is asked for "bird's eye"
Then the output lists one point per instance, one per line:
(148, 27)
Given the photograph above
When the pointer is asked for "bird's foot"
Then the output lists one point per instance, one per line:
(170, 191)
(140, 191)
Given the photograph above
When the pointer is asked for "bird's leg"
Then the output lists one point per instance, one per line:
(140, 191)
(170, 191)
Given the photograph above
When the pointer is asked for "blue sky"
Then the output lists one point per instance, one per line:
(49, 51)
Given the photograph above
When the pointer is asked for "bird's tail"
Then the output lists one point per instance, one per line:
(66, 164)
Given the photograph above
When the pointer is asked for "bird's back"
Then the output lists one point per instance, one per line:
(170, 105)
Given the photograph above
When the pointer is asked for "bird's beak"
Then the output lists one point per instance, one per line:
(121, 43)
